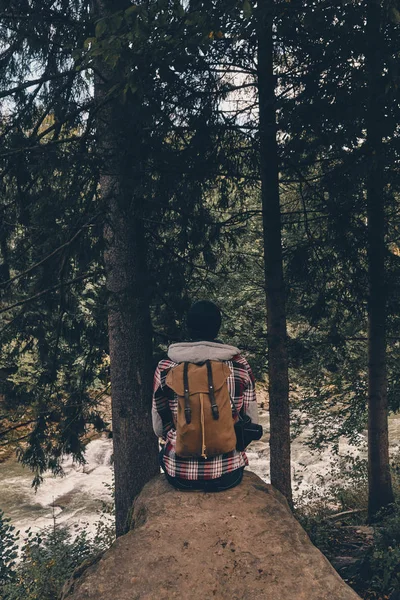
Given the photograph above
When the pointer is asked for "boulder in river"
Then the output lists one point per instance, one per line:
(240, 544)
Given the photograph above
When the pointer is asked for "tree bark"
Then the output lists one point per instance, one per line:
(120, 144)
(379, 478)
(275, 288)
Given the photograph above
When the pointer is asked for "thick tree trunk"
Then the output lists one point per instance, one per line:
(275, 289)
(129, 324)
(380, 485)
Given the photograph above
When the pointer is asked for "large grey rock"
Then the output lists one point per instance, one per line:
(241, 544)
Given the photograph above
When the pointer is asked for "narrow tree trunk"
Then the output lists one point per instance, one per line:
(129, 324)
(275, 289)
(379, 479)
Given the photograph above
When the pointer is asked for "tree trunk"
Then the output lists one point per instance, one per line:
(379, 478)
(275, 289)
(127, 280)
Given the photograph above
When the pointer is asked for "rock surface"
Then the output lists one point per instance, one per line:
(241, 544)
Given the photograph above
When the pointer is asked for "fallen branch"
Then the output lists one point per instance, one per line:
(345, 513)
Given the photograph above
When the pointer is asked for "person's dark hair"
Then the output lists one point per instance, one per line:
(203, 320)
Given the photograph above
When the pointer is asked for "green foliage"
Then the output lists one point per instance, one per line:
(105, 526)
(50, 556)
(324, 165)
(321, 531)
(383, 562)
(343, 488)
(376, 572)
(54, 299)
(8, 550)
(53, 310)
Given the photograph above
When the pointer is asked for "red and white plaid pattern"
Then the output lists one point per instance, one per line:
(241, 388)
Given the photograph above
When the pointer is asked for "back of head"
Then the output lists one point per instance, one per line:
(203, 320)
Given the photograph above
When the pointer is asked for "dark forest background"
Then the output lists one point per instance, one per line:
(157, 153)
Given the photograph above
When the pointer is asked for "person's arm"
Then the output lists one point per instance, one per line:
(161, 413)
(250, 406)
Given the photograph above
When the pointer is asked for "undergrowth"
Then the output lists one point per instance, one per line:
(334, 515)
(48, 557)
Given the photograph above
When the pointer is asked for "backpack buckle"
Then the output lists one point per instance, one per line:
(188, 414)
(215, 411)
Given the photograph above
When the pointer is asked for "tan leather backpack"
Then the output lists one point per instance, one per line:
(204, 423)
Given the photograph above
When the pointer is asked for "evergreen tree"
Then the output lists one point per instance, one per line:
(123, 147)
(328, 121)
(53, 333)
(275, 290)
(379, 478)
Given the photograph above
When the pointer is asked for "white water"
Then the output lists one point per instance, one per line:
(76, 498)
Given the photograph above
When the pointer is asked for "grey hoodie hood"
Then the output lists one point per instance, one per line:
(200, 351)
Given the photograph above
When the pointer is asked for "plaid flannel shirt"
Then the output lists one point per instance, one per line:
(241, 388)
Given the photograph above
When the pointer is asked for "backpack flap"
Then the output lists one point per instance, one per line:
(204, 423)
(198, 382)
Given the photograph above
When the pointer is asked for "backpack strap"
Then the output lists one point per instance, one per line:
(214, 406)
(239, 414)
(188, 412)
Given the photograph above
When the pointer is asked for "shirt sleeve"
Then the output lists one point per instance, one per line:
(250, 406)
(161, 413)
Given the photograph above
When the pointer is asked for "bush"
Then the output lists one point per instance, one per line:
(8, 549)
(105, 529)
(376, 574)
(322, 532)
(49, 557)
(383, 561)
(345, 487)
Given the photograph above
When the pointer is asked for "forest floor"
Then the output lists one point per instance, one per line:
(349, 548)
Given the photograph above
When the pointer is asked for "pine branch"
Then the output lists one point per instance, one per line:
(43, 260)
(14, 427)
(50, 289)
(24, 437)
(40, 81)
